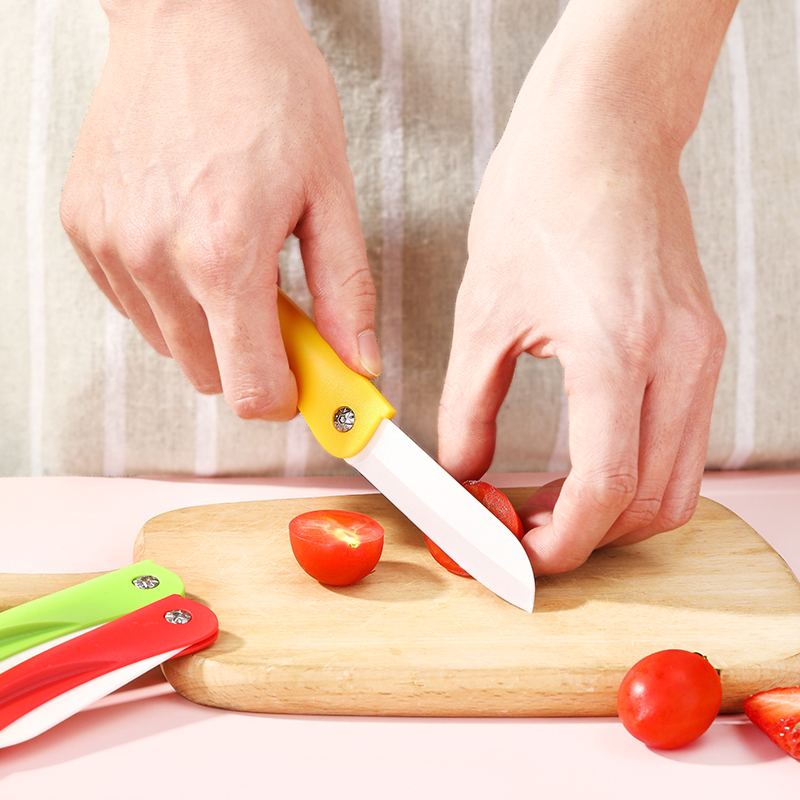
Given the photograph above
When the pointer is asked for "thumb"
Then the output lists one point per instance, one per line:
(337, 271)
(475, 386)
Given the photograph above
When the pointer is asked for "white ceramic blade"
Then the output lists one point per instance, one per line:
(18, 658)
(446, 512)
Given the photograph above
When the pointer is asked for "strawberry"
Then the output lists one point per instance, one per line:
(777, 713)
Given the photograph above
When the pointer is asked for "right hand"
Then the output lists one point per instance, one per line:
(214, 133)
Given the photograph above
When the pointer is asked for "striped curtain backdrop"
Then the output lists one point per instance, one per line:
(426, 87)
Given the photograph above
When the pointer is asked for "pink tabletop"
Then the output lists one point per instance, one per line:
(148, 741)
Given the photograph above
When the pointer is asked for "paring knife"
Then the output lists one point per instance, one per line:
(352, 420)
(41, 624)
(48, 687)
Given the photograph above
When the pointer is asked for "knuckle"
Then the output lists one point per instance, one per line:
(350, 294)
(652, 517)
(257, 405)
(631, 342)
(249, 406)
(210, 257)
(675, 513)
(86, 231)
(641, 512)
(207, 388)
(611, 492)
(68, 211)
(136, 251)
(205, 384)
(360, 290)
(701, 342)
(103, 250)
(717, 342)
(156, 340)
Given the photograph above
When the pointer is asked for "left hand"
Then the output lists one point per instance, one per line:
(581, 247)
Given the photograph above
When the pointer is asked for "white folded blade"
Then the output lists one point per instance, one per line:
(446, 512)
(18, 658)
(68, 703)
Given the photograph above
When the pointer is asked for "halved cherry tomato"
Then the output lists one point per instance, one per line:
(669, 698)
(498, 504)
(336, 547)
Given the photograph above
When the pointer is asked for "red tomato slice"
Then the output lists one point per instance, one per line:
(669, 698)
(336, 547)
(498, 504)
(777, 713)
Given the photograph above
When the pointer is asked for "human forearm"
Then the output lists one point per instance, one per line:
(641, 66)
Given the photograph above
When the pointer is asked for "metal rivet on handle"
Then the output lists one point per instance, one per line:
(178, 616)
(343, 419)
(145, 582)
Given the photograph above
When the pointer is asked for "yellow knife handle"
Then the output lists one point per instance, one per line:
(342, 408)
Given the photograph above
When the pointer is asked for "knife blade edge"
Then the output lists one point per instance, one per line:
(446, 512)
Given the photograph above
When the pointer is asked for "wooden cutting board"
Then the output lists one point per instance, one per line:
(412, 639)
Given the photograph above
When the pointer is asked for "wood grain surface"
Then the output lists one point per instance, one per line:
(17, 589)
(412, 639)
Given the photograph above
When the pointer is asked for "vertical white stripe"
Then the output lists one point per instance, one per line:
(114, 396)
(39, 121)
(294, 276)
(797, 34)
(559, 457)
(391, 334)
(304, 11)
(744, 440)
(205, 441)
(298, 436)
(483, 132)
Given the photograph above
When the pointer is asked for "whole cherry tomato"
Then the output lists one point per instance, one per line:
(336, 547)
(669, 698)
(498, 504)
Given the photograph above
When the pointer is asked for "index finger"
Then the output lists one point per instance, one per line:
(604, 418)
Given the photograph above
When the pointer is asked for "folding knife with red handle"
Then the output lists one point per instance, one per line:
(103, 633)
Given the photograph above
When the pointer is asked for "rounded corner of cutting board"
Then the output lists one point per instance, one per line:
(413, 640)
(167, 520)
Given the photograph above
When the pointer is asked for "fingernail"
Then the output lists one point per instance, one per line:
(369, 353)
